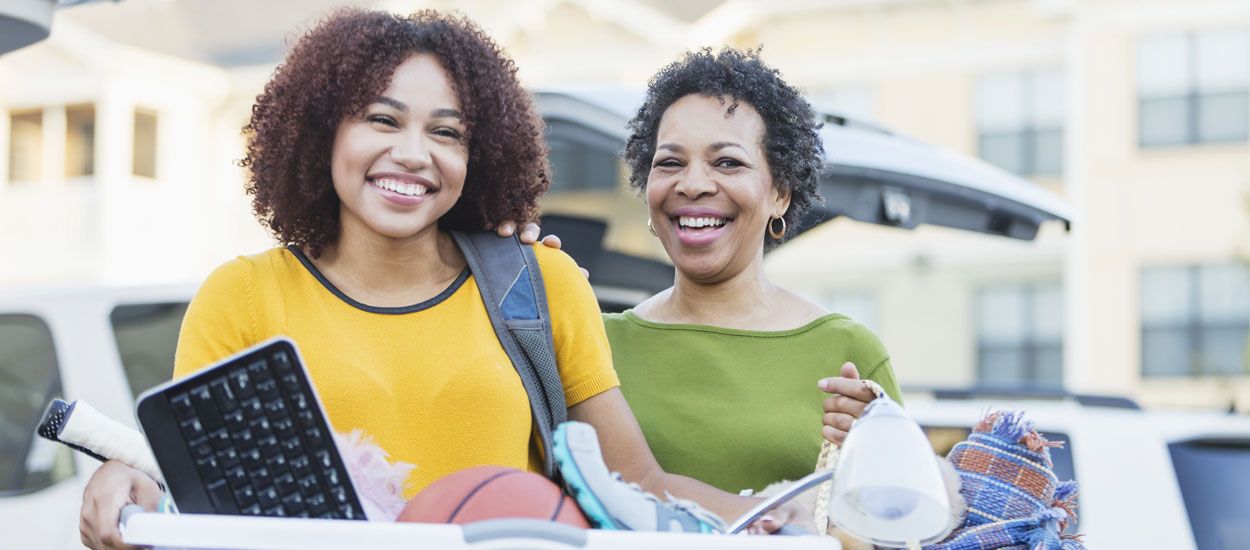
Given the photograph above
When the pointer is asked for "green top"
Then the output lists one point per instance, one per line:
(738, 409)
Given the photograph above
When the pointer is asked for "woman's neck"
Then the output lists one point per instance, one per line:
(380, 271)
(743, 300)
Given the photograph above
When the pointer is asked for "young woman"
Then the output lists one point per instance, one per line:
(377, 135)
(722, 369)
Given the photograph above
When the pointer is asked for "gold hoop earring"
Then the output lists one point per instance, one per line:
(776, 234)
(651, 228)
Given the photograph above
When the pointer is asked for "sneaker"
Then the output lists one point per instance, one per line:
(612, 503)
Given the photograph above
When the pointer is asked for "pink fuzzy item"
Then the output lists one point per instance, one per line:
(379, 482)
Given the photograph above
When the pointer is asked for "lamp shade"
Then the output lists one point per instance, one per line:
(887, 488)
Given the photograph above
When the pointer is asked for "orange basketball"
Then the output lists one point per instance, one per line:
(492, 492)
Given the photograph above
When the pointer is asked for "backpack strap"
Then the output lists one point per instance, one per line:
(512, 289)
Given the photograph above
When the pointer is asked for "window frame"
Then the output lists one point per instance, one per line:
(1030, 130)
(1193, 100)
(1030, 346)
(1192, 328)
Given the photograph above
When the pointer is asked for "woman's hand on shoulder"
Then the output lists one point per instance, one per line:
(113, 486)
(850, 397)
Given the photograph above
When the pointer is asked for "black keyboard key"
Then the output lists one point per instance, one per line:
(234, 420)
(228, 457)
(300, 403)
(339, 494)
(285, 484)
(259, 372)
(347, 511)
(245, 496)
(221, 391)
(221, 496)
(241, 383)
(208, 467)
(201, 447)
(275, 512)
(192, 429)
(220, 438)
(236, 477)
(261, 478)
(293, 502)
(183, 409)
(206, 407)
(261, 427)
(316, 504)
(276, 409)
(291, 445)
(322, 458)
(244, 439)
(268, 446)
(252, 510)
(251, 459)
(252, 409)
(277, 463)
(314, 436)
(268, 497)
(300, 466)
(284, 427)
(291, 383)
(306, 419)
(309, 486)
(281, 362)
(267, 389)
(331, 477)
(301, 514)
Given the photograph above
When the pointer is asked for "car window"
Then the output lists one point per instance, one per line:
(1214, 482)
(29, 378)
(147, 335)
(943, 438)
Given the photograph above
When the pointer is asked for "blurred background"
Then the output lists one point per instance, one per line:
(120, 134)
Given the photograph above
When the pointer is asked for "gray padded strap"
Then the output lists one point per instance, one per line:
(498, 264)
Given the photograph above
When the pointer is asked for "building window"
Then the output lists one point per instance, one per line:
(79, 141)
(1195, 319)
(29, 378)
(1020, 121)
(147, 335)
(144, 159)
(582, 158)
(1020, 334)
(1192, 88)
(26, 145)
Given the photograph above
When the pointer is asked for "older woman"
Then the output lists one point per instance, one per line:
(724, 370)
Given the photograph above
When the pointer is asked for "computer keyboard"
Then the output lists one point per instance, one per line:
(248, 436)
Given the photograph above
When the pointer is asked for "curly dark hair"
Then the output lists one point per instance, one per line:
(343, 63)
(796, 154)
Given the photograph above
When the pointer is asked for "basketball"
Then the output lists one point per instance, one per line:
(492, 492)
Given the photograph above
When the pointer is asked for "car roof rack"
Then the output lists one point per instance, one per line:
(1054, 394)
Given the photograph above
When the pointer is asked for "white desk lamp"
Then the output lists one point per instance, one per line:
(887, 488)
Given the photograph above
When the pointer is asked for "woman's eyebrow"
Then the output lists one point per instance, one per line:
(723, 145)
(446, 113)
(397, 104)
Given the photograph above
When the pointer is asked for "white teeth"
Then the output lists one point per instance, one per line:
(410, 189)
(693, 222)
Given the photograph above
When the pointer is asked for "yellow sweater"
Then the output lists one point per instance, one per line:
(429, 382)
